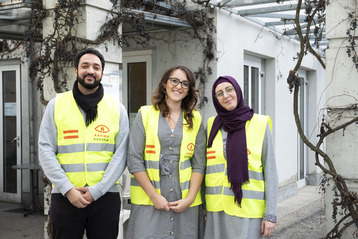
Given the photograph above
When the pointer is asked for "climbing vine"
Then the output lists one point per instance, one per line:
(345, 201)
(50, 53)
(351, 33)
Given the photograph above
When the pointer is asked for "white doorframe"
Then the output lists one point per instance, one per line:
(132, 57)
(302, 153)
(5, 196)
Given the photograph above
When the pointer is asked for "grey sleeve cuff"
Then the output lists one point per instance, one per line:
(270, 218)
(95, 192)
(65, 188)
(137, 169)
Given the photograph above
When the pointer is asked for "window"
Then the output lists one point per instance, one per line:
(252, 83)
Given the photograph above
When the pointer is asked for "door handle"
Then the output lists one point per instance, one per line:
(15, 139)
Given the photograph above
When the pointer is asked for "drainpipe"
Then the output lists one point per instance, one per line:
(33, 172)
(31, 116)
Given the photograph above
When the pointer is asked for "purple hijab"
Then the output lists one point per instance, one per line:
(234, 123)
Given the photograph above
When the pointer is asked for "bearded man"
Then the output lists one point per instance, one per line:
(83, 142)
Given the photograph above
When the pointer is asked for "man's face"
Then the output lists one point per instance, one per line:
(89, 73)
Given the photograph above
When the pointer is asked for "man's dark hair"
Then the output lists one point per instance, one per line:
(89, 51)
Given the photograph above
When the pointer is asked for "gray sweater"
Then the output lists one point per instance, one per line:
(48, 150)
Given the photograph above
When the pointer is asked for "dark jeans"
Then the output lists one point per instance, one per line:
(100, 219)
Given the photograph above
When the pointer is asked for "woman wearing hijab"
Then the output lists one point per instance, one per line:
(167, 160)
(241, 177)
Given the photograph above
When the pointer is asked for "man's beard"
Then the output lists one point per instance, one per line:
(89, 86)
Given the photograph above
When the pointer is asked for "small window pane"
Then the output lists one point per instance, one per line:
(255, 89)
(9, 131)
(246, 85)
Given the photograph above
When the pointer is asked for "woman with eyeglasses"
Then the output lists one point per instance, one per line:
(167, 161)
(241, 178)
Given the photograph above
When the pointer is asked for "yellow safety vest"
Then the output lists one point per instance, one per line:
(150, 118)
(218, 195)
(84, 152)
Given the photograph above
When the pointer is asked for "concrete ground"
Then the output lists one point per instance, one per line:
(299, 217)
(14, 225)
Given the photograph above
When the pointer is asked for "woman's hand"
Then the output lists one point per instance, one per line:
(183, 204)
(160, 202)
(267, 228)
(180, 205)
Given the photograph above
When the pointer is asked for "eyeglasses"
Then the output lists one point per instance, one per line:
(228, 91)
(175, 81)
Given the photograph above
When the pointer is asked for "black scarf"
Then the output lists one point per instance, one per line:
(88, 103)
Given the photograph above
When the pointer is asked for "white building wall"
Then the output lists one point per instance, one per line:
(342, 91)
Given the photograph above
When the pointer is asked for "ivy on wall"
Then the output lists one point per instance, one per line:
(345, 201)
(52, 53)
(352, 37)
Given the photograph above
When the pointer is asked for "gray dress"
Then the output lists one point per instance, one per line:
(220, 225)
(145, 221)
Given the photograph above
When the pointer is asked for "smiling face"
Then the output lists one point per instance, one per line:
(89, 73)
(226, 95)
(176, 93)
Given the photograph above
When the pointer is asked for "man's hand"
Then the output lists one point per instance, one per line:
(76, 198)
(86, 193)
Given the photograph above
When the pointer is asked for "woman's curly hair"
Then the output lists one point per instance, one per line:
(188, 104)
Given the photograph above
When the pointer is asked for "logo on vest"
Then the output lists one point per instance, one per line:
(191, 147)
(102, 133)
(102, 129)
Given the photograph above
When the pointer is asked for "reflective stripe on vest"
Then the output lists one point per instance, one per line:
(218, 195)
(85, 152)
(150, 118)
